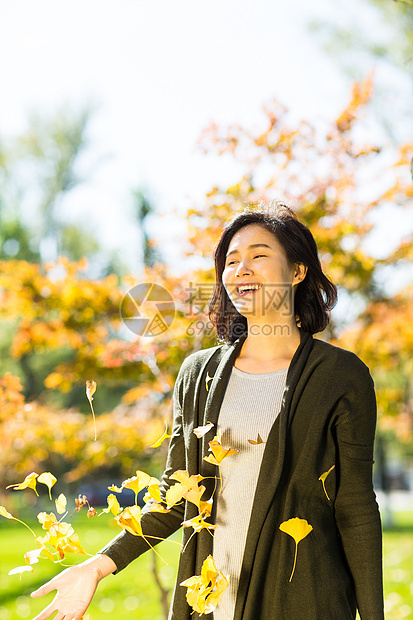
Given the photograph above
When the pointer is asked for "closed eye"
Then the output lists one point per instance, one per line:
(231, 262)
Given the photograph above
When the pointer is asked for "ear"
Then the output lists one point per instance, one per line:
(299, 273)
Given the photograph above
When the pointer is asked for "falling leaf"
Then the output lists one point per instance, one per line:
(137, 483)
(4, 513)
(219, 453)
(199, 523)
(187, 481)
(80, 501)
(115, 488)
(7, 515)
(32, 557)
(323, 479)
(200, 431)
(46, 520)
(257, 442)
(90, 390)
(161, 439)
(208, 378)
(61, 503)
(71, 544)
(297, 529)
(130, 520)
(28, 483)
(21, 569)
(205, 591)
(156, 507)
(154, 490)
(174, 494)
(49, 480)
(113, 505)
(194, 496)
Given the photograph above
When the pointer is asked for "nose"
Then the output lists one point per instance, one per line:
(242, 270)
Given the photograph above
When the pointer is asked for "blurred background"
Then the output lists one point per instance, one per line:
(129, 133)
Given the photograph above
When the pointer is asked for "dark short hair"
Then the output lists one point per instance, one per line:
(315, 296)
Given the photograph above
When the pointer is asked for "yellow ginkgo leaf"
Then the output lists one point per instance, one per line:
(48, 479)
(90, 390)
(21, 569)
(297, 529)
(7, 515)
(198, 523)
(153, 489)
(137, 483)
(256, 442)
(156, 507)
(4, 513)
(32, 557)
(71, 544)
(113, 506)
(46, 520)
(219, 452)
(159, 441)
(174, 494)
(187, 481)
(115, 488)
(130, 520)
(200, 431)
(323, 480)
(194, 496)
(61, 503)
(207, 379)
(28, 483)
(204, 591)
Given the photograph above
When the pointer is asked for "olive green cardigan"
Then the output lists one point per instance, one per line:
(327, 419)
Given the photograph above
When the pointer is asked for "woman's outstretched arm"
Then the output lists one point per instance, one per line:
(75, 588)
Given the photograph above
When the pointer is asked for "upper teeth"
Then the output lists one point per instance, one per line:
(248, 287)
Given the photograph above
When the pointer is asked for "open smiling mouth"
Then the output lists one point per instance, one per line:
(244, 289)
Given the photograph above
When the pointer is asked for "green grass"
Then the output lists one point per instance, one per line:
(133, 593)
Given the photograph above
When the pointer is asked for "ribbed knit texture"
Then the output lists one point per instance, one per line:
(250, 406)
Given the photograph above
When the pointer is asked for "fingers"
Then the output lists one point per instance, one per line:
(47, 612)
(50, 610)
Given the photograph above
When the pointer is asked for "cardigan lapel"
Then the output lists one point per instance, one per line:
(271, 467)
(217, 387)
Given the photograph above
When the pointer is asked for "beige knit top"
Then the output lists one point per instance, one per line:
(250, 407)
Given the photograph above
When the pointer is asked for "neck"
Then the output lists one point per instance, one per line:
(268, 341)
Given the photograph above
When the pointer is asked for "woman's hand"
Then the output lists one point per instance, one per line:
(75, 588)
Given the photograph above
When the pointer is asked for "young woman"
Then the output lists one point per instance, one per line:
(298, 527)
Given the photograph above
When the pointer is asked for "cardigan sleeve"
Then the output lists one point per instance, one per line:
(126, 547)
(356, 510)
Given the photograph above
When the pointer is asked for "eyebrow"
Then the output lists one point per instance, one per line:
(254, 245)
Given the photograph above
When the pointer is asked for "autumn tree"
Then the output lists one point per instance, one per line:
(337, 179)
(330, 173)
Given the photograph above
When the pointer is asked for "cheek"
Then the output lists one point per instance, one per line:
(227, 283)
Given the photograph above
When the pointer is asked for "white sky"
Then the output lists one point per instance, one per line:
(158, 72)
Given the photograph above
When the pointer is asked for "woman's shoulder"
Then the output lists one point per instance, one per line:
(342, 359)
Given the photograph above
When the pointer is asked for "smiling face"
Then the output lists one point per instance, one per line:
(258, 276)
